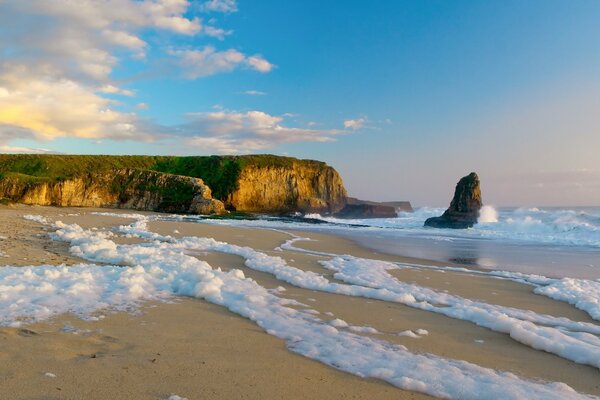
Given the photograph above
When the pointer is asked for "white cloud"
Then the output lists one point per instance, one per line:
(26, 150)
(224, 6)
(111, 89)
(53, 108)
(209, 61)
(254, 93)
(70, 39)
(354, 123)
(58, 57)
(217, 32)
(260, 64)
(235, 132)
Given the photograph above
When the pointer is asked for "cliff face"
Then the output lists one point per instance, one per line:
(254, 183)
(126, 188)
(302, 186)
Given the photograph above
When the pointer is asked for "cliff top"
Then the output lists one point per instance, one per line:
(219, 172)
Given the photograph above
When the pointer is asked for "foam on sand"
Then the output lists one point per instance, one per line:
(371, 279)
(159, 269)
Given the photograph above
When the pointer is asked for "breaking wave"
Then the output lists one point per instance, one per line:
(570, 227)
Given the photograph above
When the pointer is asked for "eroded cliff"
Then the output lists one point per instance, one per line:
(305, 186)
(125, 188)
(256, 183)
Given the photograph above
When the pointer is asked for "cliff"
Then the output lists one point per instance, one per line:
(126, 188)
(301, 186)
(265, 183)
(464, 207)
(260, 183)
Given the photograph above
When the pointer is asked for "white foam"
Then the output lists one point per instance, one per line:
(36, 218)
(583, 294)
(363, 329)
(371, 279)
(161, 268)
(487, 214)
(409, 333)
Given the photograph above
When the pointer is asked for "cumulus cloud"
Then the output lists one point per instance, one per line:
(235, 132)
(354, 123)
(209, 61)
(217, 32)
(58, 58)
(52, 108)
(224, 6)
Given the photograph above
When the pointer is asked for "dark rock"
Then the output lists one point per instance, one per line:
(359, 211)
(398, 205)
(464, 208)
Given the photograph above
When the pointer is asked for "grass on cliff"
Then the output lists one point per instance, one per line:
(220, 173)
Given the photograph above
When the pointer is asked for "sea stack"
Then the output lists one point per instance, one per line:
(464, 208)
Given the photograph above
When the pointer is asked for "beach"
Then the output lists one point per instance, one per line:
(197, 347)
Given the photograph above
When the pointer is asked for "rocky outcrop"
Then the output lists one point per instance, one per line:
(360, 211)
(125, 188)
(464, 208)
(404, 206)
(300, 186)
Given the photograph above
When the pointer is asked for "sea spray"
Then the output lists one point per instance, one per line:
(487, 214)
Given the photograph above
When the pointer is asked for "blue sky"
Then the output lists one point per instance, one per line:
(402, 97)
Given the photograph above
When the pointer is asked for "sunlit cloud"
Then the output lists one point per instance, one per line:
(354, 123)
(23, 150)
(236, 132)
(59, 57)
(209, 61)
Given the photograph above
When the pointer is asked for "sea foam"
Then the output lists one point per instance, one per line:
(159, 268)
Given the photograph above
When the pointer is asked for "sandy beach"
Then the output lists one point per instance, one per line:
(198, 350)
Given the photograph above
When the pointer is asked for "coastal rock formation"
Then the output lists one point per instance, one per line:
(303, 186)
(126, 188)
(254, 183)
(360, 211)
(464, 208)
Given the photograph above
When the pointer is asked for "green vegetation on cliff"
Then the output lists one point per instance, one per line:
(220, 173)
(60, 167)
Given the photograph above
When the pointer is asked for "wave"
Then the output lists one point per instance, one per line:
(570, 227)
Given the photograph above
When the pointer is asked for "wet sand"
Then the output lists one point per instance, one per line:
(199, 350)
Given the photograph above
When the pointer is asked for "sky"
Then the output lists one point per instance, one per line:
(401, 97)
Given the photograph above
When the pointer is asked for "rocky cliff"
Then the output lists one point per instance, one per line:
(464, 208)
(300, 186)
(125, 188)
(257, 183)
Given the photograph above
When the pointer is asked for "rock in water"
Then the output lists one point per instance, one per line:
(360, 211)
(464, 208)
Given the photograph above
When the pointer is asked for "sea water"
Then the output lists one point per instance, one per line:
(554, 242)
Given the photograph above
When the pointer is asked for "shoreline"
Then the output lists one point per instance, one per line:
(447, 337)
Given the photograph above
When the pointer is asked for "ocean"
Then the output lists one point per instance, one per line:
(554, 242)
